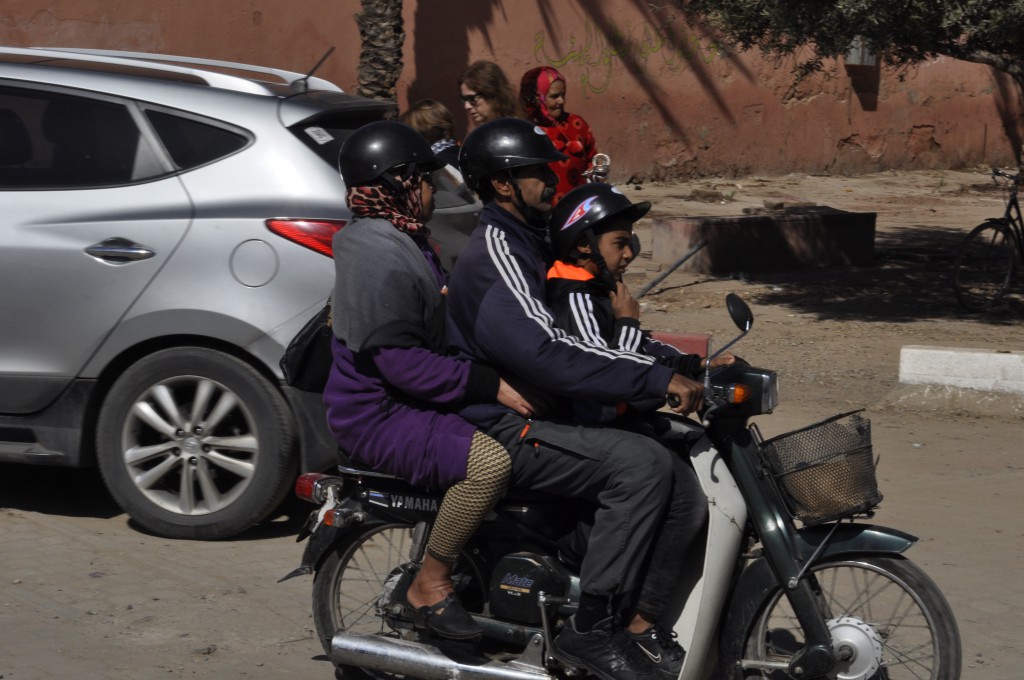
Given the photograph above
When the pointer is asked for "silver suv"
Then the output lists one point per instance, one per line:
(165, 232)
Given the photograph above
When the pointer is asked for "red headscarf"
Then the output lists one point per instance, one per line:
(534, 88)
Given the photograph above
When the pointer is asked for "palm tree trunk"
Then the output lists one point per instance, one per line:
(380, 60)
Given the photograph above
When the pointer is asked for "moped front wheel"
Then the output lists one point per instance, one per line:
(889, 615)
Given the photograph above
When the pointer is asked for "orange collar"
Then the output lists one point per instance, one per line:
(564, 270)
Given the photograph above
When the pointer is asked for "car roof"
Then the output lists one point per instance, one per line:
(160, 77)
(225, 75)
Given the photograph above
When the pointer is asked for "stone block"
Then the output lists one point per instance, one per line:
(796, 238)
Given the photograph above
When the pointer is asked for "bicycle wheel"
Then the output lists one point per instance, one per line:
(985, 266)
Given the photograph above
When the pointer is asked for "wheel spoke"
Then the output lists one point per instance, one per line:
(149, 478)
(142, 454)
(165, 398)
(244, 442)
(210, 493)
(243, 469)
(147, 414)
(186, 497)
(204, 391)
(222, 408)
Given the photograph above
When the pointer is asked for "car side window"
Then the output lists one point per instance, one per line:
(191, 142)
(51, 140)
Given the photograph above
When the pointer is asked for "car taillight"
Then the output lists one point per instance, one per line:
(313, 234)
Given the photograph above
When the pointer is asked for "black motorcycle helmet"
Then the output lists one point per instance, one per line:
(373, 151)
(586, 212)
(501, 145)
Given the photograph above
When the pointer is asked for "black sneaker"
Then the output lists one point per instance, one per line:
(605, 652)
(660, 648)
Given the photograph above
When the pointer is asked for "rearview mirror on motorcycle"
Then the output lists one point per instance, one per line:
(744, 320)
(739, 311)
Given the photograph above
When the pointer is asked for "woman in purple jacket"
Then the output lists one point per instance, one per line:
(392, 390)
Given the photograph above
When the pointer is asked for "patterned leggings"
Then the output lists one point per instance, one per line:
(465, 504)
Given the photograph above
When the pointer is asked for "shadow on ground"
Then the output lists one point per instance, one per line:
(80, 492)
(55, 491)
(911, 280)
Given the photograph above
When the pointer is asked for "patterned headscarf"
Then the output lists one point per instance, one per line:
(534, 88)
(403, 208)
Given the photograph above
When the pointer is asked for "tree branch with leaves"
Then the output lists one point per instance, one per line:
(989, 32)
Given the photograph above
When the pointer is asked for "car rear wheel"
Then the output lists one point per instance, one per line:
(195, 443)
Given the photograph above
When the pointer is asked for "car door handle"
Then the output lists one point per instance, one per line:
(119, 251)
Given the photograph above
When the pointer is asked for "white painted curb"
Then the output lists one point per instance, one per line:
(976, 369)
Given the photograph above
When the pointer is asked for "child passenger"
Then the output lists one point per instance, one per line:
(592, 242)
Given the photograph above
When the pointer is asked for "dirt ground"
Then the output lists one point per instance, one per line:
(85, 595)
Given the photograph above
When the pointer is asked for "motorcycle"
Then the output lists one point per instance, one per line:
(788, 584)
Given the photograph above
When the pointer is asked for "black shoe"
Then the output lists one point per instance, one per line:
(605, 652)
(446, 618)
(661, 649)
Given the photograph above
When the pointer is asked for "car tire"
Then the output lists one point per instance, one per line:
(194, 443)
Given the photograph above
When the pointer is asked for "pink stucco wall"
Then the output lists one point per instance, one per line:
(663, 102)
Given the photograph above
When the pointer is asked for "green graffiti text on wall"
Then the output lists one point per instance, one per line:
(642, 46)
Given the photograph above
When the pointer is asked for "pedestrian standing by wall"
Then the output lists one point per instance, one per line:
(542, 92)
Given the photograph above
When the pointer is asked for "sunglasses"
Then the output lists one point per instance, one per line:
(471, 99)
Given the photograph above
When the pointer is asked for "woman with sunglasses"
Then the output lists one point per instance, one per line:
(392, 391)
(487, 94)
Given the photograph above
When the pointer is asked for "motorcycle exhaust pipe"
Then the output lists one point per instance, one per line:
(416, 660)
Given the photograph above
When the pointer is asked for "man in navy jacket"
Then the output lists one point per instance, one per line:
(649, 506)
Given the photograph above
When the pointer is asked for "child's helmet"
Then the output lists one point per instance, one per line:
(588, 210)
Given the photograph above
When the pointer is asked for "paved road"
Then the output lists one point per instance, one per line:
(85, 595)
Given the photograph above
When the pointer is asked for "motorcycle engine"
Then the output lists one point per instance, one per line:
(517, 581)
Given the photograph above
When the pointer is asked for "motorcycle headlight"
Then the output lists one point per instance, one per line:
(749, 391)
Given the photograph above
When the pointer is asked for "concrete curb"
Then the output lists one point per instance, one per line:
(980, 382)
(973, 369)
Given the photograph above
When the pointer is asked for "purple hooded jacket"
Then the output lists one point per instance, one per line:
(391, 402)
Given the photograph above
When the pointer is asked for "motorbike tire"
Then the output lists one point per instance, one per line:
(228, 472)
(349, 580)
(914, 623)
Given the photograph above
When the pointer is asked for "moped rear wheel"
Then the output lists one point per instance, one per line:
(351, 578)
(886, 609)
(349, 582)
(985, 266)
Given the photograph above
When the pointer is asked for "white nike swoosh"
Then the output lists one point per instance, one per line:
(652, 657)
